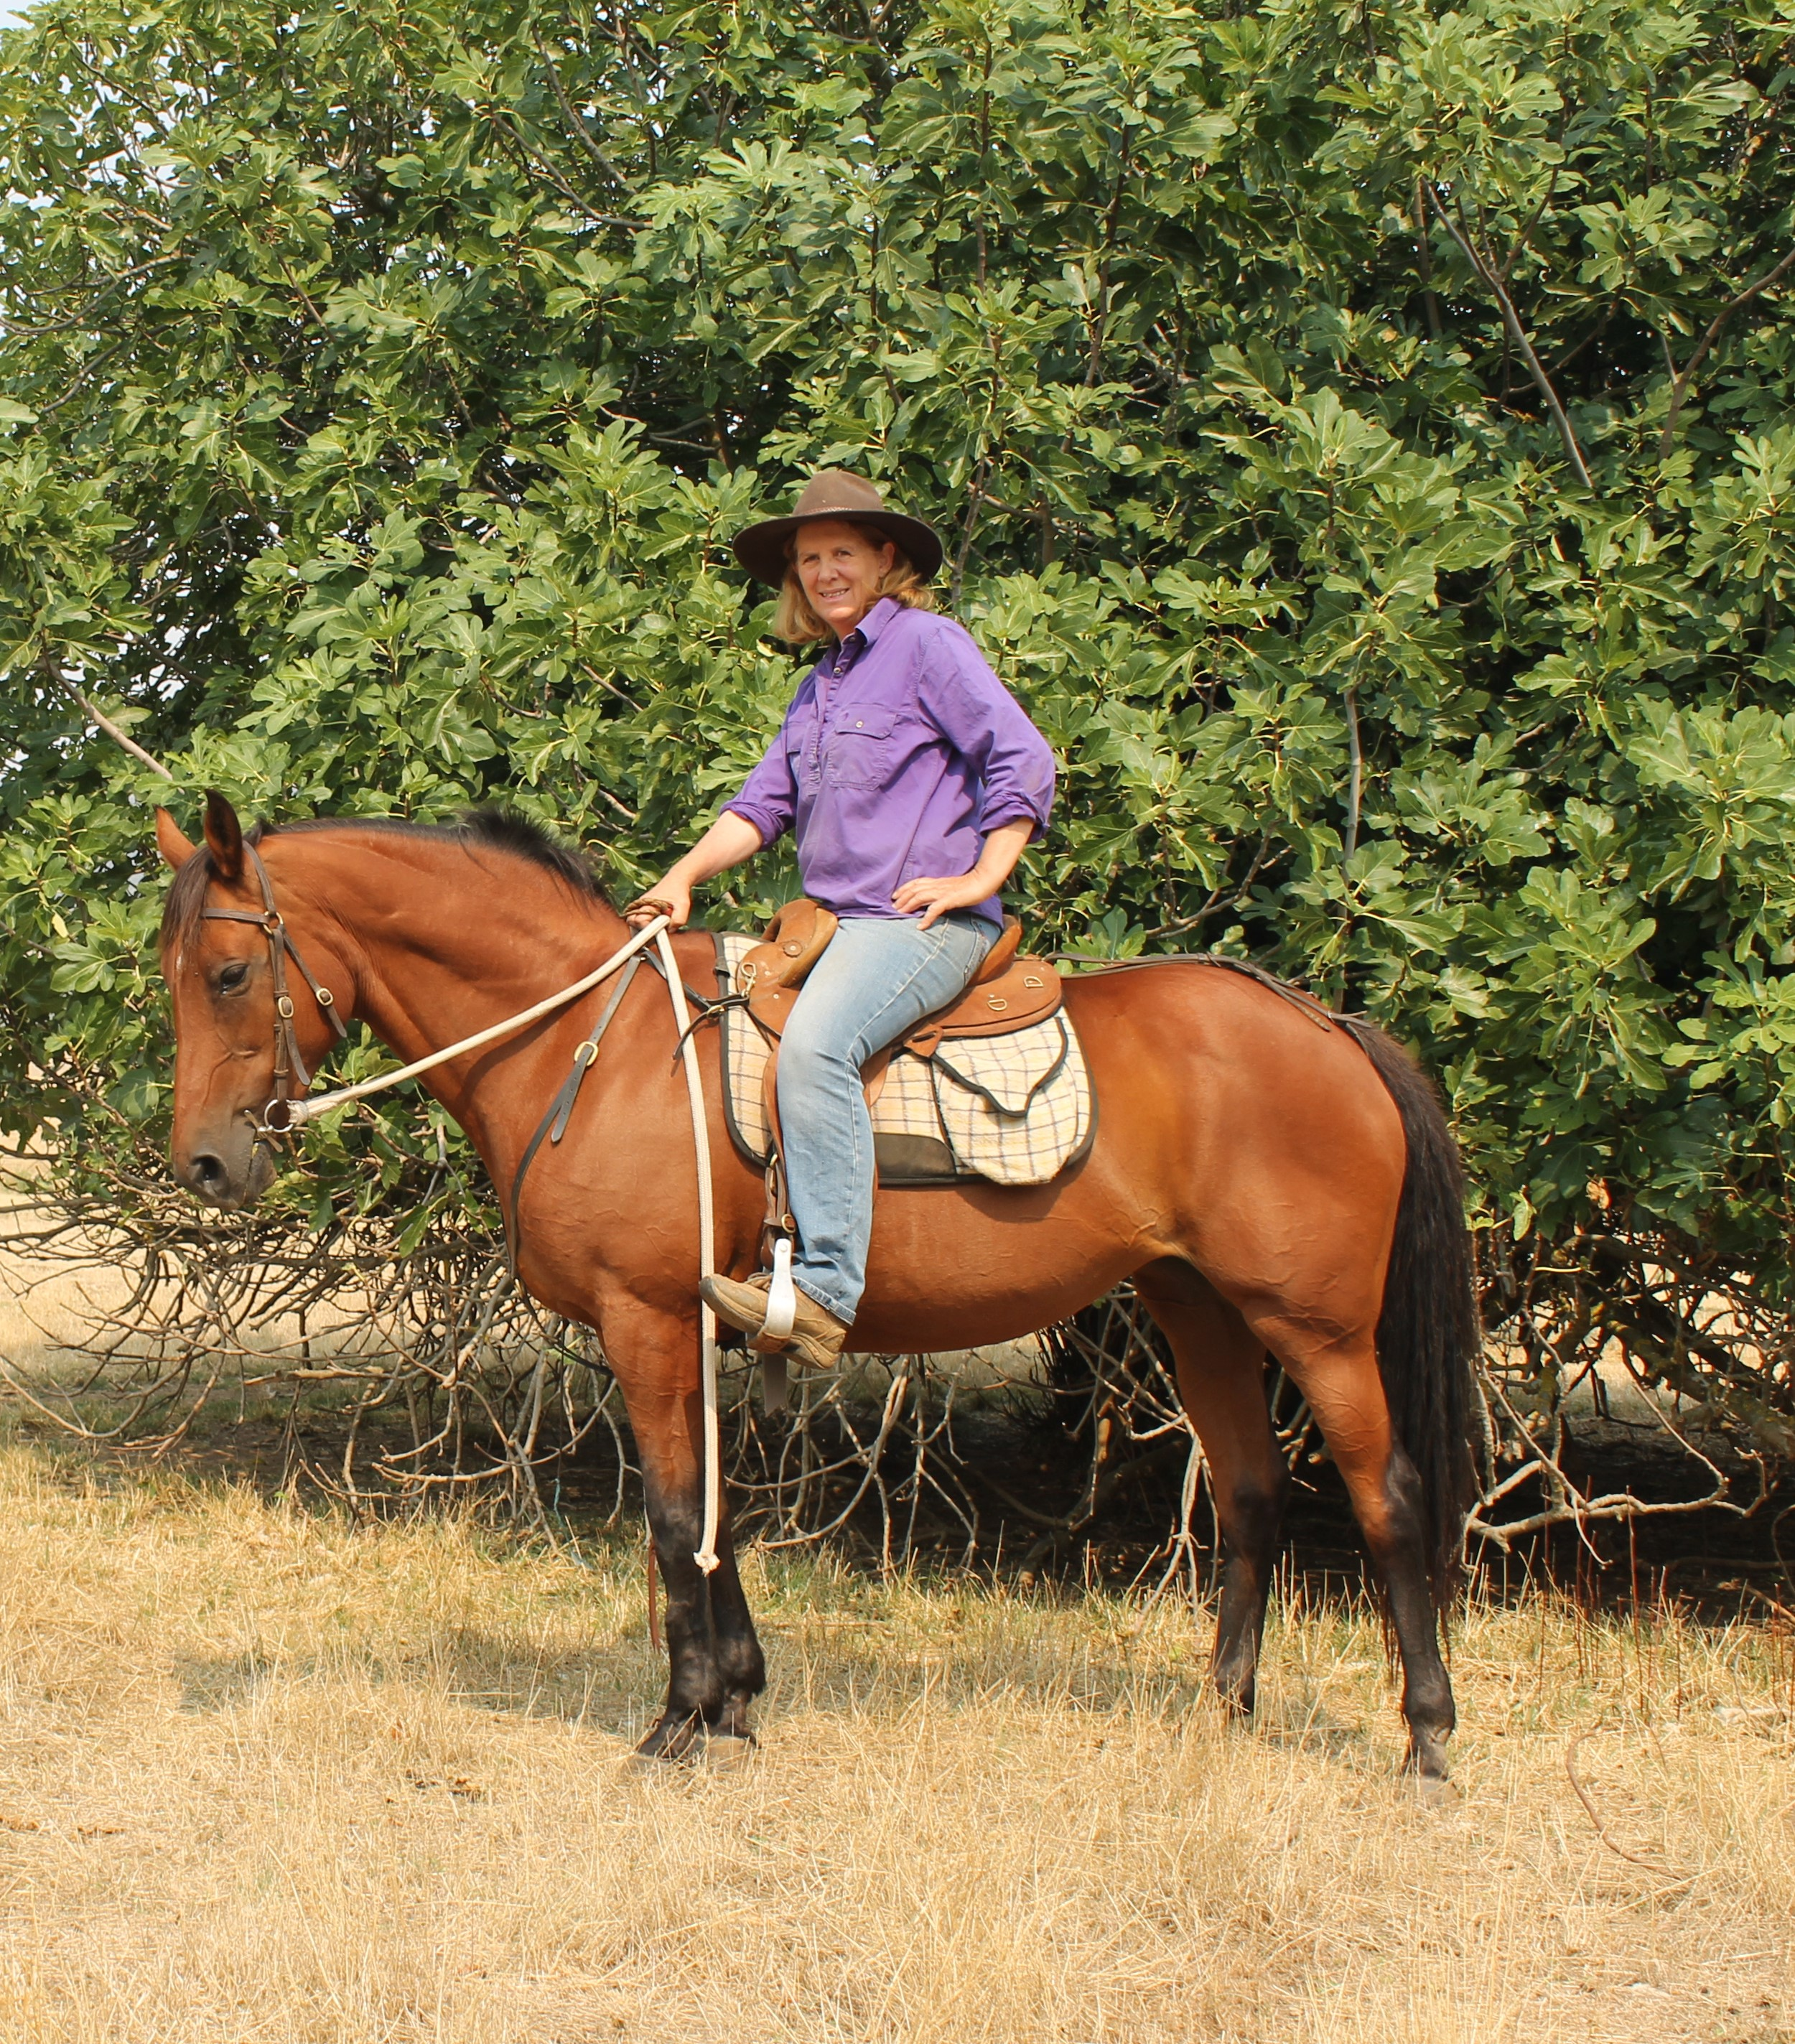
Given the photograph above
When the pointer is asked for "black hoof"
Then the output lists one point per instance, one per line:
(687, 1740)
(671, 1738)
(1426, 1760)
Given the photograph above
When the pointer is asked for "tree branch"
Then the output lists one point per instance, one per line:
(1423, 250)
(976, 499)
(1355, 784)
(118, 736)
(1526, 234)
(1517, 333)
(1679, 387)
(582, 133)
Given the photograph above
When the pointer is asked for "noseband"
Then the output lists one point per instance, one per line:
(277, 1118)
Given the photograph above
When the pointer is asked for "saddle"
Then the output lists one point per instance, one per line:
(1009, 992)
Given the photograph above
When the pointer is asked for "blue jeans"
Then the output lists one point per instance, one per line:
(878, 979)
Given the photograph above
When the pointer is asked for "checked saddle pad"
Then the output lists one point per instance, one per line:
(1016, 1109)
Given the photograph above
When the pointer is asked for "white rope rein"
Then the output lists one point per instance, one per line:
(300, 1111)
(706, 1556)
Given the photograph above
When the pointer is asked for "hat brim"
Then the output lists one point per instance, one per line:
(761, 549)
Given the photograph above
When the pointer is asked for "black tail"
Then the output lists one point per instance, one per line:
(1427, 1333)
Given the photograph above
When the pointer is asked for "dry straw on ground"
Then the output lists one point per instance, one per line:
(265, 1777)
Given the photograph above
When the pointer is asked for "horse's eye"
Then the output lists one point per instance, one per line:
(233, 976)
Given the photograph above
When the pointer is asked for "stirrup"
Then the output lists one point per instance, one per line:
(782, 1298)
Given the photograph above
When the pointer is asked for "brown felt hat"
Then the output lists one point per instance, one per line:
(834, 493)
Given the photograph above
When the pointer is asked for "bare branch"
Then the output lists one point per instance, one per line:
(1356, 781)
(1679, 387)
(1423, 250)
(119, 737)
(582, 133)
(1480, 262)
(1583, 1796)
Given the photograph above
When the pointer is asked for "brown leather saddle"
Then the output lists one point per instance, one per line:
(1009, 991)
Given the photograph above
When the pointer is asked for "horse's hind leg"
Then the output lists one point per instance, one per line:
(1345, 1390)
(1220, 1366)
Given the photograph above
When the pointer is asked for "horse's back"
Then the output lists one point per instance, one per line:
(1184, 1038)
(1234, 1132)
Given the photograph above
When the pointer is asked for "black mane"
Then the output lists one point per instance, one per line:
(506, 830)
(490, 827)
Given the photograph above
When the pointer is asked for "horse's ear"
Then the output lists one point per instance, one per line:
(224, 836)
(171, 841)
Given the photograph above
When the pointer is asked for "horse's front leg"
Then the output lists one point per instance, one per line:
(715, 1667)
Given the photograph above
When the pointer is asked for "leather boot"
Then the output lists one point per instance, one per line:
(817, 1335)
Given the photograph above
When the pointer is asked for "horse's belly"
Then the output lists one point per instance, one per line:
(963, 1267)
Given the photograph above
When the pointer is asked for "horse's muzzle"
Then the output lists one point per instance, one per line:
(231, 1170)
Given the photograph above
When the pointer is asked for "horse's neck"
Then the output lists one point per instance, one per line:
(448, 943)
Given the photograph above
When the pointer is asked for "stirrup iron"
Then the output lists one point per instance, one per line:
(781, 1295)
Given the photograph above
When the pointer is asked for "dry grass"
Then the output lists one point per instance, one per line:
(263, 1776)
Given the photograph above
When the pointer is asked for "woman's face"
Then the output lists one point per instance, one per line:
(840, 570)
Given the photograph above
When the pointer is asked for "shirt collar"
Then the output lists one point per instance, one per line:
(876, 619)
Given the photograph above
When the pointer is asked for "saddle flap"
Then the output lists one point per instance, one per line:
(771, 1006)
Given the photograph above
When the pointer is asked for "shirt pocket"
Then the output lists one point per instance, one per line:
(860, 752)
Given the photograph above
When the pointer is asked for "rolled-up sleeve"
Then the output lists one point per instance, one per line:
(769, 796)
(986, 725)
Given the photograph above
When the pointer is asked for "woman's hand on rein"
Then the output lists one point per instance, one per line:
(935, 898)
(728, 841)
(639, 914)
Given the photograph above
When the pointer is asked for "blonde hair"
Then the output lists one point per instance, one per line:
(798, 624)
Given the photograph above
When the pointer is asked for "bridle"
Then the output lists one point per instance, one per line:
(290, 1066)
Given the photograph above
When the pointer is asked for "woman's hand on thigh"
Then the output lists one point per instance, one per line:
(935, 898)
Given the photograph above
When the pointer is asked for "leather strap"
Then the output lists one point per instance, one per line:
(554, 1123)
(706, 1004)
(289, 1064)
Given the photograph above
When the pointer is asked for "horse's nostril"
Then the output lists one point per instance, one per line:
(207, 1170)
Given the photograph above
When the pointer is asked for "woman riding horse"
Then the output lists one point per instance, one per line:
(1273, 1180)
(913, 779)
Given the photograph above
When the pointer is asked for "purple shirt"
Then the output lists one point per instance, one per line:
(895, 762)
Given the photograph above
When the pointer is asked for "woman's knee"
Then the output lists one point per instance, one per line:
(813, 1059)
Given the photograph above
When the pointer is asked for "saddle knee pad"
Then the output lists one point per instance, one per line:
(797, 937)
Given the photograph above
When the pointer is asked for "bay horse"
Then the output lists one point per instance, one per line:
(1271, 1183)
